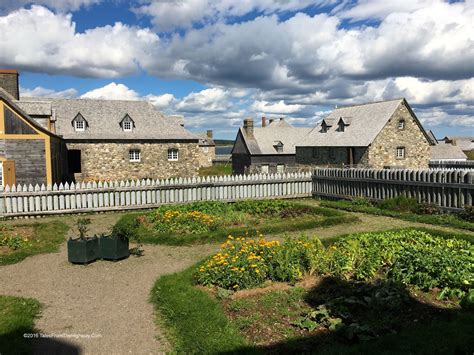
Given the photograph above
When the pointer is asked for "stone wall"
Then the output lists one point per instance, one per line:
(110, 161)
(206, 155)
(383, 150)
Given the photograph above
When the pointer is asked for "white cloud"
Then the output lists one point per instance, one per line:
(43, 92)
(112, 91)
(36, 39)
(60, 5)
(171, 14)
(207, 100)
(161, 101)
(277, 107)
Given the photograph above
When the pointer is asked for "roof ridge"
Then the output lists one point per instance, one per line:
(369, 103)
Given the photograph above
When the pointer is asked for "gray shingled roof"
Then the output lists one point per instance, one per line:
(35, 107)
(446, 151)
(204, 140)
(104, 116)
(465, 143)
(265, 138)
(365, 123)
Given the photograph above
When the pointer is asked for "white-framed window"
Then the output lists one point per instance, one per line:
(205, 149)
(79, 125)
(280, 168)
(173, 154)
(264, 169)
(400, 152)
(127, 126)
(134, 155)
(401, 124)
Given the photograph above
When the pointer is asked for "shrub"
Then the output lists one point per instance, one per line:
(428, 208)
(361, 201)
(467, 213)
(127, 227)
(400, 203)
(10, 239)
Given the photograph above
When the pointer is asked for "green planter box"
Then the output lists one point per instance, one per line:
(113, 248)
(83, 251)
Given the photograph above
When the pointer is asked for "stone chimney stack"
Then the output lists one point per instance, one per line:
(209, 133)
(264, 121)
(9, 82)
(248, 127)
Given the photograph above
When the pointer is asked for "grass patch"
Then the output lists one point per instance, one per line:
(448, 220)
(43, 238)
(195, 322)
(469, 154)
(215, 170)
(17, 316)
(312, 217)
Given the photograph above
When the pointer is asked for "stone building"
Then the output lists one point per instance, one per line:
(378, 135)
(207, 149)
(266, 149)
(103, 139)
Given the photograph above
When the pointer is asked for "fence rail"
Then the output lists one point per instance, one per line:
(128, 195)
(452, 164)
(450, 189)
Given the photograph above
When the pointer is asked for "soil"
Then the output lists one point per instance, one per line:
(104, 299)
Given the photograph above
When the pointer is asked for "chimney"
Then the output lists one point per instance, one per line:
(264, 121)
(271, 120)
(9, 82)
(209, 133)
(248, 127)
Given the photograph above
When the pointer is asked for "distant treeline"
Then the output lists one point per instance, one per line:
(223, 142)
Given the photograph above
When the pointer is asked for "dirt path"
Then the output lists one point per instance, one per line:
(106, 299)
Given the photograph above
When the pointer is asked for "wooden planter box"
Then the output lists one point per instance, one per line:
(113, 248)
(83, 251)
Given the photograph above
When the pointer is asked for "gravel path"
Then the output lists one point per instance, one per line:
(103, 298)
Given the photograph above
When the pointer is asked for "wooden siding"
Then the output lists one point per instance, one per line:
(14, 124)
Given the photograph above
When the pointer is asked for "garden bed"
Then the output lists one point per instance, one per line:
(358, 293)
(214, 221)
(20, 241)
(409, 211)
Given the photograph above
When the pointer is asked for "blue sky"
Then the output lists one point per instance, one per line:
(218, 62)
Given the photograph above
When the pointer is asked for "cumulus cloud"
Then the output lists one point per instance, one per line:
(277, 107)
(161, 101)
(210, 100)
(39, 40)
(43, 92)
(112, 91)
(60, 5)
(171, 14)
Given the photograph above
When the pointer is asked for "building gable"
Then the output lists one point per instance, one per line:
(239, 145)
(14, 124)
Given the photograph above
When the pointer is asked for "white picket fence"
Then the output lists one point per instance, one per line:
(127, 195)
(451, 189)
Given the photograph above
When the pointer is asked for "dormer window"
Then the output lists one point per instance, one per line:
(324, 127)
(341, 126)
(401, 124)
(278, 146)
(127, 124)
(79, 123)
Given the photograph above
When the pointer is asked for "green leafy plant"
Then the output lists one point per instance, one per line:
(320, 317)
(82, 227)
(400, 203)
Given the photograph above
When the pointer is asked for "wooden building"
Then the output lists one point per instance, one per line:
(29, 153)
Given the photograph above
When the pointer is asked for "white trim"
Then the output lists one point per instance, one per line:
(173, 154)
(82, 122)
(130, 128)
(134, 155)
(401, 153)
